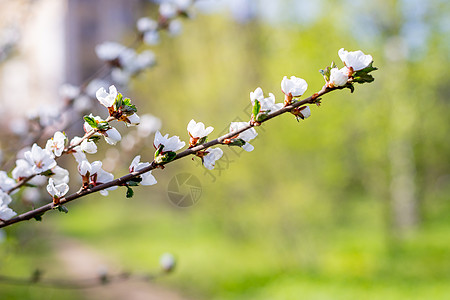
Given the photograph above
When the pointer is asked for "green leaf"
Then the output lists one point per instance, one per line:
(165, 157)
(38, 217)
(129, 109)
(135, 179)
(62, 208)
(159, 150)
(169, 156)
(130, 192)
(119, 101)
(91, 121)
(369, 68)
(256, 108)
(350, 86)
(237, 142)
(326, 73)
(132, 183)
(363, 78)
(47, 173)
(202, 140)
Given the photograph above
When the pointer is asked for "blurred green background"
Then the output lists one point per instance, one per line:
(352, 203)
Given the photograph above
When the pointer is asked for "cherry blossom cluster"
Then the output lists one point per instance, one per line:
(40, 164)
(357, 65)
(124, 63)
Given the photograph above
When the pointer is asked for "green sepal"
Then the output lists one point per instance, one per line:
(91, 121)
(119, 101)
(159, 150)
(135, 179)
(165, 157)
(38, 217)
(62, 208)
(130, 192)
(261, 116)
(94, 138)
(103, 125)
(256, 108)
(47, 173)
(237, 142)
(134, 183)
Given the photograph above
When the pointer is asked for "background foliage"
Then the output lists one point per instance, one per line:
(310, 211)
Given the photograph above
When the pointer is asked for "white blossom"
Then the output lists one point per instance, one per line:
(105, 98)
(183, 5)
(112, 136)
(60, 175)
(56, 144)
(23, 169)
(82, 104)
(49, 115)
(246, 136)
(19, 126)
(134, 119)
(31, 194)
(151, 38)
(198, 130)
(95, 175)
(68, 91)
(57, 190)
(338, 77)
(79, 155)
(167, 262)
(170, 144)
(356, 60)
(257, 95)
(149, 124)
(168, 10)
(86, 145)
(86, 168)
(104, 177)
(293, 86)
(132, 63)
(6, 183)
(147, 178)
(40, 159)
(175, 27)
(209, 161)
(94, 85)
(109, 51)
(267, 104)
(6, 213)
(306, 112)
(146, 24)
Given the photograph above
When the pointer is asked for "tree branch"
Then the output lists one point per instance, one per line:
(36, 213)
